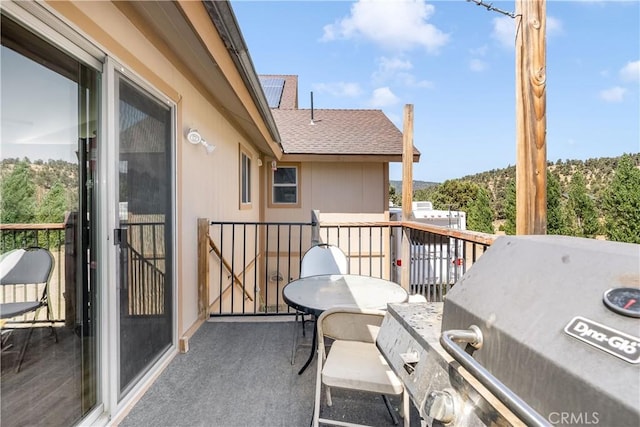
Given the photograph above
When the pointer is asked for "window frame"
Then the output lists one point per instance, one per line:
(298, 186)
(244, 179)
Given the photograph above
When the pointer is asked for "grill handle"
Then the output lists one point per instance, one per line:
(473, 336)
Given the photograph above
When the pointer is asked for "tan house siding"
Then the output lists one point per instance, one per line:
(207, 185)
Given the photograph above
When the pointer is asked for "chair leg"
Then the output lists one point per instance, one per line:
(405, 409)
(316, 409)
(24, 347)
(295, 340)
(392, 412)
(49, 317)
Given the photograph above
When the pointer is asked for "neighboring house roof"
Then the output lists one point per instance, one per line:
(281, 90)
(343, 132)
(332, 132)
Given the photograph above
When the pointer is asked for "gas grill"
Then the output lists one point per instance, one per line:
(541, 330)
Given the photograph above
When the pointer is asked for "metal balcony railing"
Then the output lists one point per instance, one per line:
(249, 263)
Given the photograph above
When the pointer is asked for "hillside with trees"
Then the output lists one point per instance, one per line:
(37, 191)
(595, 197)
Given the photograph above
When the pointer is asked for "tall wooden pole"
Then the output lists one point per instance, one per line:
(407, 193)
(531, 122)
(407, 162)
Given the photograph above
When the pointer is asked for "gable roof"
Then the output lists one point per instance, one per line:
(334, 133)
(339, 132)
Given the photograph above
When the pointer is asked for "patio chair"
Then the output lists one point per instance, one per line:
(354, 361)
(32, 266)
(319, 259)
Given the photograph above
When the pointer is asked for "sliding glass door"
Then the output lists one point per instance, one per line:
(50, 136)
(143, 232)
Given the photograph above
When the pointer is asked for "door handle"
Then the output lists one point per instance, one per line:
(120, 237)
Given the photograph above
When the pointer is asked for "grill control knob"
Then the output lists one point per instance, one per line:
(440, 405)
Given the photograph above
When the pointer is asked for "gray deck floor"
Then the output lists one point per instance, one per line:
(240, 374)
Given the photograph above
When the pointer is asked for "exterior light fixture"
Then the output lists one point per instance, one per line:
(274, 165)
(194, 137)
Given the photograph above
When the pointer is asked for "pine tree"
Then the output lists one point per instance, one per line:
(18, 196)
(621, 203)
(509, 226)
(480, 214)
(582, 208)
(556, 217)
(53, 205)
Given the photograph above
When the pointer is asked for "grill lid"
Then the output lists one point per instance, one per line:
(549, 333)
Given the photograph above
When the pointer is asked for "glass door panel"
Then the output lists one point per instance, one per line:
(144, 231)
(49, 111)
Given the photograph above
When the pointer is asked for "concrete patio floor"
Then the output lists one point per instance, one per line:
(239, 373)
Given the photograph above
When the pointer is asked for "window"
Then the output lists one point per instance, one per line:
(285, 181)
(245, 179)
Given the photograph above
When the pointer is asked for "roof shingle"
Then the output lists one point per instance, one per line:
(337, 132)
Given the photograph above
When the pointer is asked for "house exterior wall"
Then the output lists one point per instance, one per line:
(333, 187)
(207, 186)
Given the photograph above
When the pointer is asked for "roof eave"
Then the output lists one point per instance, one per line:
(224, 20)
(349, 158)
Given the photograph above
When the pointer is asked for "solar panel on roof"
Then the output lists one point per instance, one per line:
(272, 88)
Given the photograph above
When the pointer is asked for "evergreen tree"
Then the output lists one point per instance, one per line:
(509, 226)
(53, 205)
(581, 208)
(480, 215)
(18, 196)
(455, 195)
(556, 217)
(621, 203)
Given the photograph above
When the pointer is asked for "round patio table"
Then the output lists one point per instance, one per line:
(315, 294)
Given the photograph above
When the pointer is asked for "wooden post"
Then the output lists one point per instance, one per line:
(203, 268)
(531, 149)
(407, 163)
(407, 193)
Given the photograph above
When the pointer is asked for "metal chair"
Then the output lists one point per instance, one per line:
(319, 259)
(354, 361)
(32, 266)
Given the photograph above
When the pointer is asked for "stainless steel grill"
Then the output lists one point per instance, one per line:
(542, 330)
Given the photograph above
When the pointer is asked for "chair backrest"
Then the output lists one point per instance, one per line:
(349, 324)
(323, 259)
(26, 266)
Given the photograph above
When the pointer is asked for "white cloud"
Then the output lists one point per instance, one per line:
(399, 25)
(504, 29)
(631, 72)
(410, 80)
(614, 94)
(396, 70)
(477, 65)
(554, 26)
(479, 51)
(383, 97)
(339, 89)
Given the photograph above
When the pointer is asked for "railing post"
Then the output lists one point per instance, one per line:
(315, 227)
(405, 256)
(70, 262)
(203, 268)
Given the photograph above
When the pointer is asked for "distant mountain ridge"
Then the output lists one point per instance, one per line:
(417, 185)
(597, 173)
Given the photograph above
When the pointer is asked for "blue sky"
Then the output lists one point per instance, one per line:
(455, 62)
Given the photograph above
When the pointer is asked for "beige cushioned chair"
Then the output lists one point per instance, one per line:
(353, 361)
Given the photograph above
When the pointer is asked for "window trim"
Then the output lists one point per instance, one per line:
(242, 155)
(271, 203)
